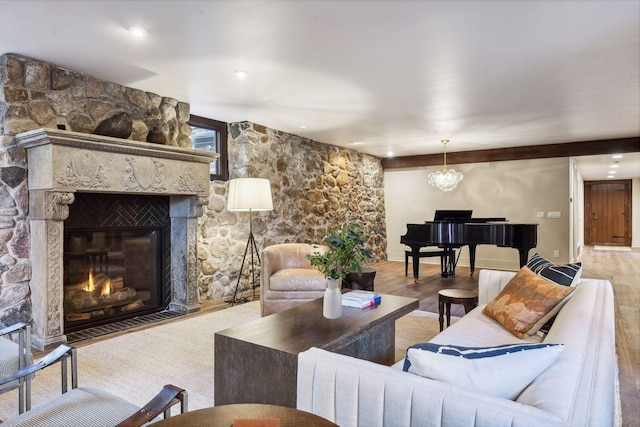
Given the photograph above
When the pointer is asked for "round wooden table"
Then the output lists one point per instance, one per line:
(446, 297)
(224, 416)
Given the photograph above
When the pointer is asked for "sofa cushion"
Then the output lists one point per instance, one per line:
(501, 371)
(298, 279)
(525, 301)
(561, 274)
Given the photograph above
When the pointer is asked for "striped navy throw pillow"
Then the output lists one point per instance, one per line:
(561, 274)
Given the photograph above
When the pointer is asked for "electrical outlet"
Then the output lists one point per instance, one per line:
(554, 215)
(556, 253)
(540, 214)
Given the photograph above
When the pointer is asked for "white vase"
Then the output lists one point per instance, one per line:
(332, 305)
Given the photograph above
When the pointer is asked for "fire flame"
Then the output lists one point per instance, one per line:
(106, 289)
(90, 287)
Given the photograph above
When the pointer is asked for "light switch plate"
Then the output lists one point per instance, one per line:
(554, 215)
(540, 214)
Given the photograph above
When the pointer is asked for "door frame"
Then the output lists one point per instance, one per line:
(627, 208)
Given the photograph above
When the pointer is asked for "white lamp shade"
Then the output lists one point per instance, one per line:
(249, 194)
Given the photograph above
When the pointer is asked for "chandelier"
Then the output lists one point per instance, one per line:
(446, 179)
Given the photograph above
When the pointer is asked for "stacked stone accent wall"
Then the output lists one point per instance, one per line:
(36, 94)
(314, 186)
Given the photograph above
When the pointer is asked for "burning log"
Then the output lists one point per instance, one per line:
(119, 295)
(74, 317)
(134, 305)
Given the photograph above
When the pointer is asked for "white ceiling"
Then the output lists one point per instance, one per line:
(375, 76)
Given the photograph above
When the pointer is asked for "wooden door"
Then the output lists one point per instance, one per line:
(608, 213)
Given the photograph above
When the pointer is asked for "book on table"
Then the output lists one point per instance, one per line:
(361, 299)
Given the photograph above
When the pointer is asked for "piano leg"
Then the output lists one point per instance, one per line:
(415, 258)
(472, 258)
(524, 256)
(449, 263)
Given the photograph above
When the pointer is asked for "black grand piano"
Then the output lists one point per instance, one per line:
(453, 229)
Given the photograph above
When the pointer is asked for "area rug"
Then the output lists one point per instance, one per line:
(612, 248)
(137, 364)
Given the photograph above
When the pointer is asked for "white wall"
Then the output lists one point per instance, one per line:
(576, 222)
(516, 190)
(635, 212)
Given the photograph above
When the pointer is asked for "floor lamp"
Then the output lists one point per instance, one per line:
(249, 195)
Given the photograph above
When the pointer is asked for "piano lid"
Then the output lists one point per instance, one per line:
(442, 215)
(461, 217)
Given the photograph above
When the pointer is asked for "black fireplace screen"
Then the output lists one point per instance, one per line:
(116, 256)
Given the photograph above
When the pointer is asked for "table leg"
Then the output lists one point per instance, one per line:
(448, 312)
(441, 314)
(468, 306)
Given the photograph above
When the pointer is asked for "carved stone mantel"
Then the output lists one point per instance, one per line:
(61, 163)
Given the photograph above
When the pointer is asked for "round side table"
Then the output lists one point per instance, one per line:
(446, 297)
(225, 415)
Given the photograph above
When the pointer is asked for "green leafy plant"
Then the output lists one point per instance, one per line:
(346, 252)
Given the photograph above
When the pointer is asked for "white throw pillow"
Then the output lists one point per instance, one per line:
(502, 371)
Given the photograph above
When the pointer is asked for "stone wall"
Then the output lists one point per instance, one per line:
(314, 185)
(36, 94)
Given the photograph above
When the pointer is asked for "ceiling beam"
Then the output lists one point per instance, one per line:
(568, 149)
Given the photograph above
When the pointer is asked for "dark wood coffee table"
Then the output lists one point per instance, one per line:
(257, 362)
(224, 416)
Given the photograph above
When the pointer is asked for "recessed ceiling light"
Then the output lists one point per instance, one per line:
(610, 176)
(615, 165)
(389, 153)
(612, 172)
(302, 126)
(241, 74)
(138, 32)
(357, 143)
(616, 156)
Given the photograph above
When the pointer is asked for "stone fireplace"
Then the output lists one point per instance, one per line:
(63, 164)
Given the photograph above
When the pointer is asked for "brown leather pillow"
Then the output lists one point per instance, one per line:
(525, 300)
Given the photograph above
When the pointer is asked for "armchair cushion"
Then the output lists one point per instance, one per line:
(80, 407)
(9, 360)
(13, 357)
(298, 279)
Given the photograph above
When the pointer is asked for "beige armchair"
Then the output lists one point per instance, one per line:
(287, 278)
(88, 406)
(13, 357)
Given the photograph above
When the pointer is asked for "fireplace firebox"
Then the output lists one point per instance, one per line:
(116, 251)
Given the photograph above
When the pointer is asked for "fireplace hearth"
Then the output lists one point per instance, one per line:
(106, 173)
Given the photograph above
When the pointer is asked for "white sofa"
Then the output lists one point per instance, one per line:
(578, 389)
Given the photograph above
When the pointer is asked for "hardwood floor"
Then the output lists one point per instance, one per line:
(622, 269)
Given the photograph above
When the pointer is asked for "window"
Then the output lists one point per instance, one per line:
(211, 135)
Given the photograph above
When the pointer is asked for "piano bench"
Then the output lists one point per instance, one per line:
(425, 254)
